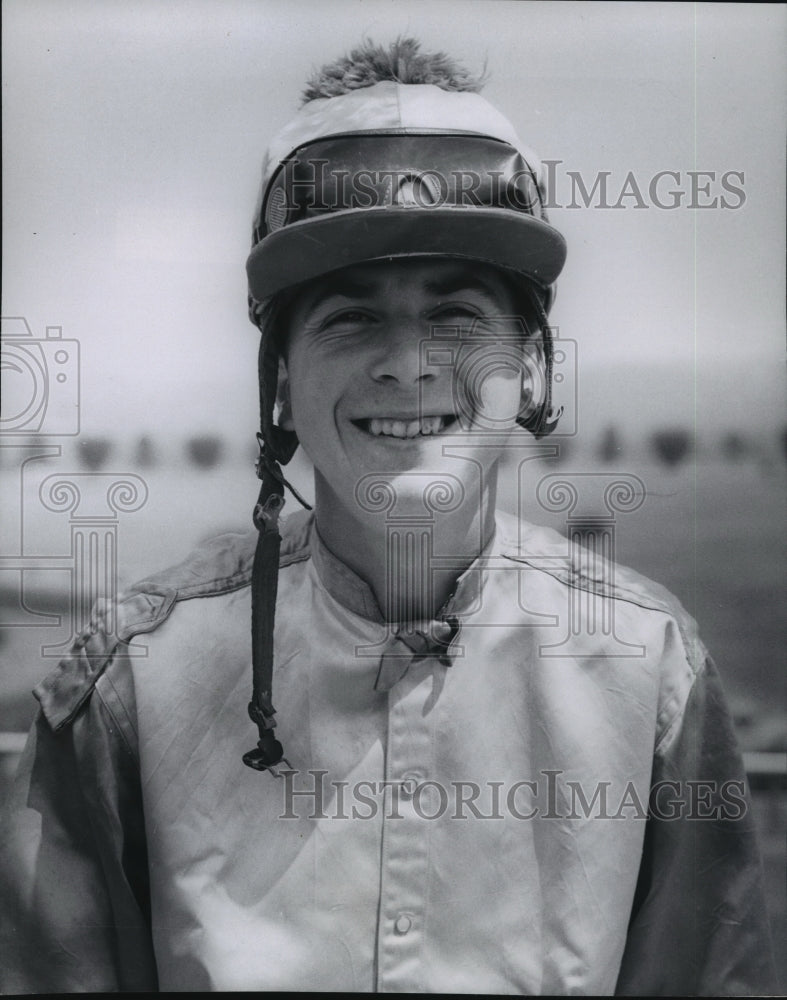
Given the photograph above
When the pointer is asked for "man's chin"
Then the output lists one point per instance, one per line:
(420, 491)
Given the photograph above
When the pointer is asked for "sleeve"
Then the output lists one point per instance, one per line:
(699, 925)
(73, 865)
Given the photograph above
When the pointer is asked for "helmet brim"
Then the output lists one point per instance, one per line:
(315, 247)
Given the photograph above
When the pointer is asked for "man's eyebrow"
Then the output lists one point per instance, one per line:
(349, 287)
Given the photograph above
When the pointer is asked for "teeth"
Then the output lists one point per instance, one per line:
(406, 428)
(432, 425)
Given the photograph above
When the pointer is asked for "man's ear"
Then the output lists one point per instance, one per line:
(283, 404)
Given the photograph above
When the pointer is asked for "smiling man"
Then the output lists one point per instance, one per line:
(364, 392)
(464, 785)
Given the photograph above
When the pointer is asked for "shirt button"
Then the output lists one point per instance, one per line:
(402, 924)
(410, 781)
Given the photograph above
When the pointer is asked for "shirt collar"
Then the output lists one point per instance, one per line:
(355, 594)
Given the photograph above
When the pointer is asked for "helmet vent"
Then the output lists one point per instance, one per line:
(276, 211)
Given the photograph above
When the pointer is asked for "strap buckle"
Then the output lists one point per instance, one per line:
(258, 760)
(268, 753)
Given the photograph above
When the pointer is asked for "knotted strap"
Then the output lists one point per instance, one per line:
(264, 587)
(411, 646)
(276, 445)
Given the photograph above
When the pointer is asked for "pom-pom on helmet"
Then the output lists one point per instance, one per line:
(394, 154)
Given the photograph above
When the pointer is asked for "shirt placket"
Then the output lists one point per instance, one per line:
(404, 877)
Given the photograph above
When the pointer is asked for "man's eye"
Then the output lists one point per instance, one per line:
(348, 317)
(457, 312)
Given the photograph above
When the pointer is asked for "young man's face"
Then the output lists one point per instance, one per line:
(404, 366)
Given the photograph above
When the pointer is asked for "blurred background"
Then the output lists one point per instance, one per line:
(132, 141)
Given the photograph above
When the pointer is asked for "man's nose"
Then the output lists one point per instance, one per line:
(402, 354)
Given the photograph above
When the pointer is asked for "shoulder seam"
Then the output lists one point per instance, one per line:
(227, 584)
(580, 581)
(694, 652)
(63, 696)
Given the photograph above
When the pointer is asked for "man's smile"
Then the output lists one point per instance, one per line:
(405, 427)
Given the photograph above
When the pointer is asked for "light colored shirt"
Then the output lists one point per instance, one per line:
(479, 827)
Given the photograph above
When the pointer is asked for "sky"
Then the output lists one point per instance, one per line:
(133, 134)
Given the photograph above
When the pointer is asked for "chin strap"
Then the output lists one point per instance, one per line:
(264, 585)
(276, 445)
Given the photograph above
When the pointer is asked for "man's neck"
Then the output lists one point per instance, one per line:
(410, 557)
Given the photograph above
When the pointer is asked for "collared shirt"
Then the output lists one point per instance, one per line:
(479, 827)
